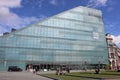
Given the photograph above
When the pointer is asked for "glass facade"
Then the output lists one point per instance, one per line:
(73, 37)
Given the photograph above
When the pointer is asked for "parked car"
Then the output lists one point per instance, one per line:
(118, 69)
(14, 68)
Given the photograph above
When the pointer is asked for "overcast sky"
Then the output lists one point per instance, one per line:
(21, 13)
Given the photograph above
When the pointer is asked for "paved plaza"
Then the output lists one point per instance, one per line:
(30, 76)
(20, 76)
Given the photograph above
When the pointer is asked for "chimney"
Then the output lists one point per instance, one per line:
(13, 29)
(5, 33)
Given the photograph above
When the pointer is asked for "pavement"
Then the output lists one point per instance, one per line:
(21, 76)
(30, 76)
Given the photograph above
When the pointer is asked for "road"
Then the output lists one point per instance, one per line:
(20, 76)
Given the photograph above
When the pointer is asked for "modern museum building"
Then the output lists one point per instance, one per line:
(73, 38)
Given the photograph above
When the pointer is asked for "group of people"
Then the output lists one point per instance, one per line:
(35, 70)
(59, 71)
(97, 71)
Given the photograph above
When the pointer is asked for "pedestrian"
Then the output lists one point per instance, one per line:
(34, 71)
(97, 70)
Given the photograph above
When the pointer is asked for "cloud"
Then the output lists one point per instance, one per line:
(10, 3)
(40, 3)
(23, 21)
(53, 2)
(2, 30)
(97, 3)
(112, 27)
(1, 34)
(9, 19)
(110, 9)
(116, 39)
(57, 2)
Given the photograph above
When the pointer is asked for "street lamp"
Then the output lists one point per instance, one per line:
(5, 62)
(98, 62)
(85, 65)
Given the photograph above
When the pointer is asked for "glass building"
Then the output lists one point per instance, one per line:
(74, 37)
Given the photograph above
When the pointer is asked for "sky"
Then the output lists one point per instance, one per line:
(21, 13)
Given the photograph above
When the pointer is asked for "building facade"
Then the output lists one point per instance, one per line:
(74, 37)
(113, 53)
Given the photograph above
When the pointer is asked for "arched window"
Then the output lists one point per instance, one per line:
(113, 63)
(112, 55)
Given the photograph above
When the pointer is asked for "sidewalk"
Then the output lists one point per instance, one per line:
(21, 76)
(51, 72)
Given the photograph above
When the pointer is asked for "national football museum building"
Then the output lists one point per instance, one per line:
(72, 38)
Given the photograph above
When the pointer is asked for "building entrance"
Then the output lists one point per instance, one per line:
(41, 67)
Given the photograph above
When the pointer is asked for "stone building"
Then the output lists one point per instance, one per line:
(113, 53)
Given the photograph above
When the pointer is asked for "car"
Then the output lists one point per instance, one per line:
(14, 68)
(118, 70)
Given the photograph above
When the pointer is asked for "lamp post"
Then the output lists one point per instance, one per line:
(5, 62)
(85, 65)
(98, 62)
